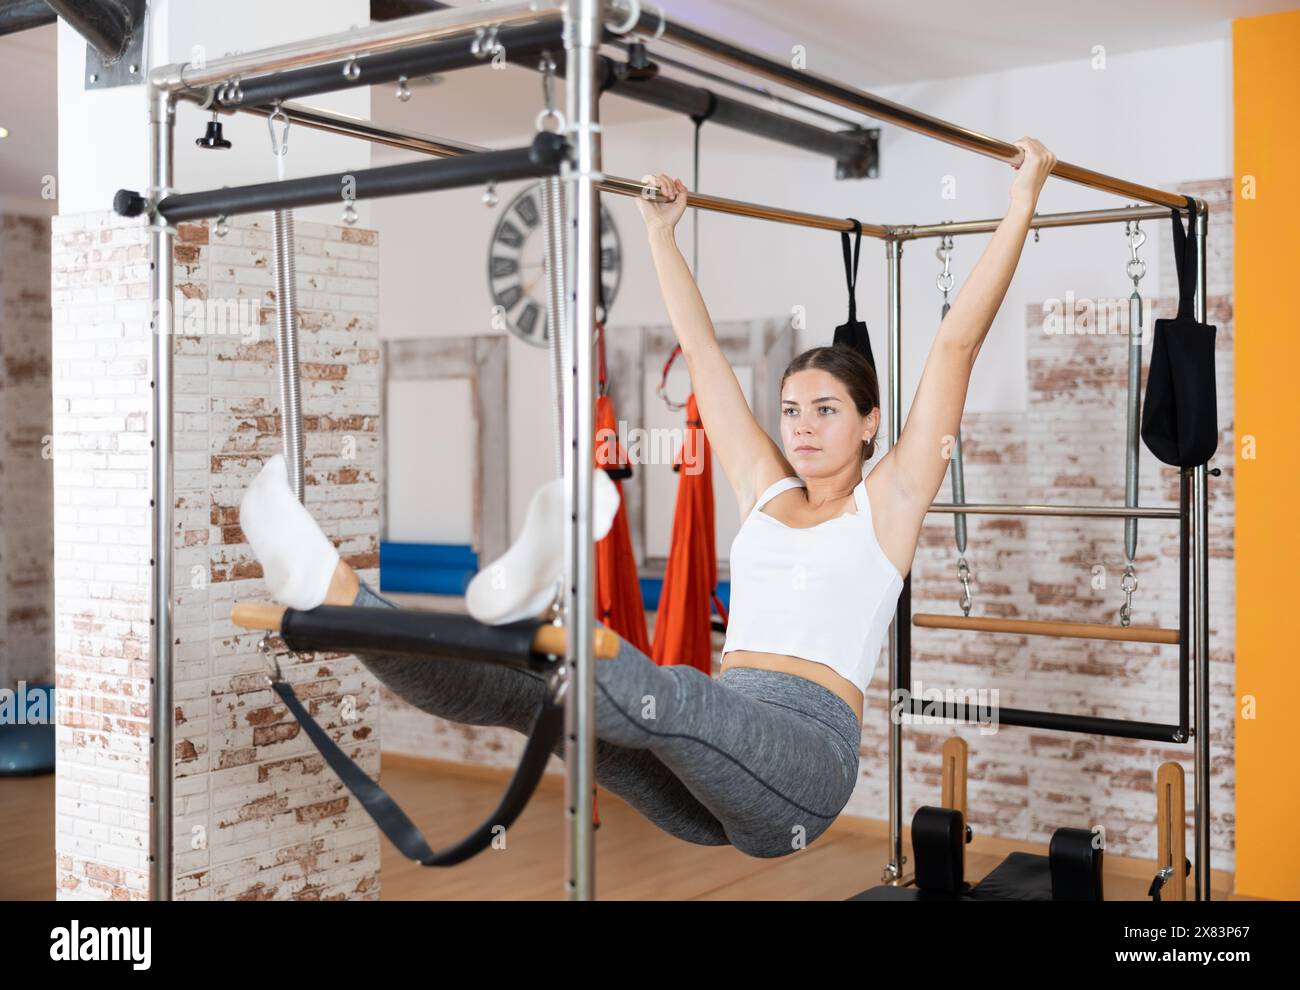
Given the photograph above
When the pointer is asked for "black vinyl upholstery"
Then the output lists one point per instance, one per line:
(1070, 872)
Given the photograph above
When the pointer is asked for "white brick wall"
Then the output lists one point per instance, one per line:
(254, 816)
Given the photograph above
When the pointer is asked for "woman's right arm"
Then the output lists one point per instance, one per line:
(747, 454)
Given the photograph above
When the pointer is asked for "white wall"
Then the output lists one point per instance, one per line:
(1157, 117)
(429, 498)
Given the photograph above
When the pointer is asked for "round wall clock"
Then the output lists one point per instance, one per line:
(516, 268)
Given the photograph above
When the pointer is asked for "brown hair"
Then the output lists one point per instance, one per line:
(852, 370)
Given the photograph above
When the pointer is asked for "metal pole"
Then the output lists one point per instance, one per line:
(894, 870)
(581, 42)
(1038, 221)
(716, 204)
(1112, 511)
(162, 118)
(554, 261)
(653, 24)
(443, 147)
(1201, 611)
(286, 347)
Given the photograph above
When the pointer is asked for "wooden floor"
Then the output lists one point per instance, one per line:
(27, 838)
(634, 859)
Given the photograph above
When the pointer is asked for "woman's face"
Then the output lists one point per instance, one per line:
(821, 429)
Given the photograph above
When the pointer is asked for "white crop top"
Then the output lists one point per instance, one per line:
(825, 593)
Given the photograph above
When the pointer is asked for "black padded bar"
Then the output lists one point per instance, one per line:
(542, 157)
(855, 151)
(410, 632)
(1120, 728)
(519, 46)
(23, 15)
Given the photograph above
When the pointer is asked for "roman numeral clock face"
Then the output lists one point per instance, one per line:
(517, 271)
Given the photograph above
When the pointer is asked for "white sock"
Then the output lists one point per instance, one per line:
(298, 560)
(523, 581)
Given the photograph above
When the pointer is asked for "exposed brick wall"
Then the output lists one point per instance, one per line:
(257, 816)
(26, 498)
(1068, 447)
(99, 293)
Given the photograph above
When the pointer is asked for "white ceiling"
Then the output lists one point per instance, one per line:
(867, 45)
(897, 41)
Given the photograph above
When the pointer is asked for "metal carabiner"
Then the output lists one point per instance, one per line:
(485, 43)
(1129, 585)
(547, 67)
(946, 279)
(272, 657)
(633, 15)
(281, 147)
(1136, 267)
(963, 575)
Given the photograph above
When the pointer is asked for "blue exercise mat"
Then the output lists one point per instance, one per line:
(27, 747)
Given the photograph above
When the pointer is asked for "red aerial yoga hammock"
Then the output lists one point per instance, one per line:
(618, 590)
(683, 630)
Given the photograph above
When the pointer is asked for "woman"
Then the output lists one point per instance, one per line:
(764, 757)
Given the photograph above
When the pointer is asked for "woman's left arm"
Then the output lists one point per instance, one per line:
(921, 456)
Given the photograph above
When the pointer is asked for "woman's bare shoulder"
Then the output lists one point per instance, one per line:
(766, 472)
(896, 514)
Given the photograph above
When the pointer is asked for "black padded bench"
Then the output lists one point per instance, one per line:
(1070, 872)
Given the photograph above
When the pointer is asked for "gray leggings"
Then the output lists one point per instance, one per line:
(758, 759)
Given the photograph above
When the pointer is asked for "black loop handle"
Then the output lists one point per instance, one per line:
(1185, 259)
(851, 273)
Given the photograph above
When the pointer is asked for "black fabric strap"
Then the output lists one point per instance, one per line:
(427, 637)
(695, 181)
(394, 823)
(851, 270)
(1185, 258)
(700, 118)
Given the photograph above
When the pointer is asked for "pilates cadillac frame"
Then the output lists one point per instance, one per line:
(584, 25)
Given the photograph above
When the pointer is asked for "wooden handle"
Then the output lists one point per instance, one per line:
(258, 615)
(1039, 627)
(953, 789)
(552, 639)
(1171, 829)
